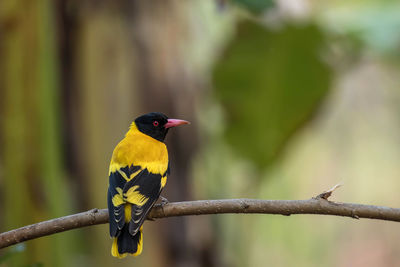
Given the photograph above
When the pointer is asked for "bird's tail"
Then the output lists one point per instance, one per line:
(126, 244)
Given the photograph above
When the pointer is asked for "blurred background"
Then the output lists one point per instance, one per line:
(286, 99)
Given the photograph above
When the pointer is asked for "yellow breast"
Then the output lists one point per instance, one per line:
(140, 150)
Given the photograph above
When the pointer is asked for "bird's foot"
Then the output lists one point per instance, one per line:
(164, 201)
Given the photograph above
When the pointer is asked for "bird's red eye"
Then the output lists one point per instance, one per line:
(155, 123)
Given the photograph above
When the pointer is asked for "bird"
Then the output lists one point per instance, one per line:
(137, 174)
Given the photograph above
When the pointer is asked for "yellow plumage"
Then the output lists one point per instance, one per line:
(142, 150)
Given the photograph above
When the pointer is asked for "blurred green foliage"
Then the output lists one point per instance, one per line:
(376, 23)
(269, 83)
(255, 6)
(11, 252)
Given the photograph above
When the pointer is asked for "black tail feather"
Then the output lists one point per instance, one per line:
(126, 244)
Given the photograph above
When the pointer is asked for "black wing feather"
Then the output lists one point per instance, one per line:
(116, 214)
(113, 224)
(149, 185)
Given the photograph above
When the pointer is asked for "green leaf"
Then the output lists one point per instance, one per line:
(270, 83)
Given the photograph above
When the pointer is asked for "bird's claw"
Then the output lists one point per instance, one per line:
(164, 201)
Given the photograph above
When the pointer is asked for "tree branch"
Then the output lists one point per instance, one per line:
(317, 205)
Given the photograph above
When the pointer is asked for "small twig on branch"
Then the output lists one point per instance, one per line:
(318, 205)
(325, 195)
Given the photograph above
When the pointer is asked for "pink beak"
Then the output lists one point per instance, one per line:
(175, 122)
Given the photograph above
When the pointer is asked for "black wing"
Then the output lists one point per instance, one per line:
(142, 192)
(116, 213)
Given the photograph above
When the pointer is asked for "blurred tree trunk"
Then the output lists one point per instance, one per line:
(99, 102)
(33, 187)
(168, 84)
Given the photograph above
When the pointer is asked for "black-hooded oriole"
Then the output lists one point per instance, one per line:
(138, 172)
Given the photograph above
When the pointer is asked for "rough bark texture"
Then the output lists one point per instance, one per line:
(316, 205)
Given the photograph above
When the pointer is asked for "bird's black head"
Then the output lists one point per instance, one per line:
(156, 124)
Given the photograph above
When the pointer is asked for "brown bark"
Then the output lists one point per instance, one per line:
(316, 205)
